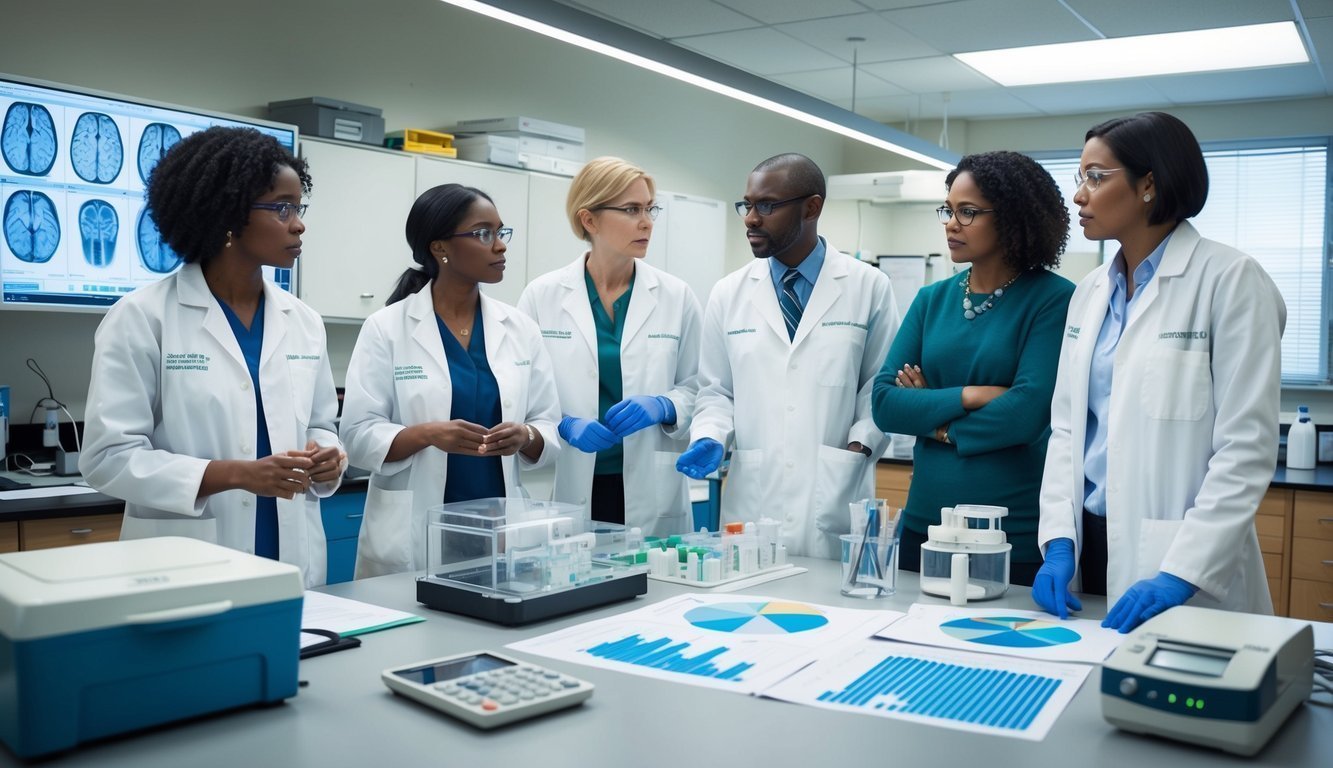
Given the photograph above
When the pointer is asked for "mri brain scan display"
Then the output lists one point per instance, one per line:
(153, 144)
(32, 229)
(98, 226)
(95, 148)
(156, 255)
(28, 139)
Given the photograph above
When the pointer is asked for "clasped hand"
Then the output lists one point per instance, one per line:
(285, 475)
(461, 436)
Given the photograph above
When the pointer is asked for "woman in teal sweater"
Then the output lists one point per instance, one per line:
(972, 369)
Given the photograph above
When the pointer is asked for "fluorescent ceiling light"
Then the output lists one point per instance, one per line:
(1173, 53)
(518, 20)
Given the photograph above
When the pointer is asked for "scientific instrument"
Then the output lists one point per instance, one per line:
(486, 689)
(710, 559)
(101, 639)
(966, 556)
(517, 560)
(1221, 679)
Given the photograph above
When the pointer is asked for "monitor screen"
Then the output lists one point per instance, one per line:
(74, 230)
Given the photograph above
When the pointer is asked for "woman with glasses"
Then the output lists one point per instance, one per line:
(627, 337)
(1165, 417)
(446, 386)
(972, 368)
(211, 409)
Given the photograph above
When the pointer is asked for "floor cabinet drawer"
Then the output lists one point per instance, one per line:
(1311, 600)
(9, 537)
(65, 531)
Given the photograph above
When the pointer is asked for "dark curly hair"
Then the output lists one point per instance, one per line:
(1031, 220)
(203, 187)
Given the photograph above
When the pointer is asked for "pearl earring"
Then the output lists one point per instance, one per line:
(444, 259)
(1147, 198)
(228, 239)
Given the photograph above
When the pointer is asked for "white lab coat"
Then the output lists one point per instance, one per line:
(794, 405)
(659, 355)
(399, 376)
(1192, 424)
(170, 391)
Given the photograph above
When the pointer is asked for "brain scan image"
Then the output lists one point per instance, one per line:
(98, 226)
(157, 138)
(28, 139)
(32, 229)
(95, 148)
(156, 255)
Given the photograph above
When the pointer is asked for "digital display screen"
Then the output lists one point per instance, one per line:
(453, 669)
(74, 228)
(1210, 662)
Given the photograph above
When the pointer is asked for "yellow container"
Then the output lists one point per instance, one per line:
(417, 140)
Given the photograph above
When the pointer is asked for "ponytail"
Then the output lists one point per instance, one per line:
(436, 212)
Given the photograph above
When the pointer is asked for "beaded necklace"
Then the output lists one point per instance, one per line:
(970, 312)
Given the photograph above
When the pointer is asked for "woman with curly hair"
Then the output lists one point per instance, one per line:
(972, 369)
(211, 409)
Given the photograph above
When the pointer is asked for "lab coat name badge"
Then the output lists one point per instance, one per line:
(1071, 331)
(1183, 335)
(303, 357)
(668, 336)
(186, 361)
(739, 331)
(548, 333)
(409, 373)
(845, 323)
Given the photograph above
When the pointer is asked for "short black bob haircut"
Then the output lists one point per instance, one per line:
(1031, 221)
(1160, 144)
(436, 213)
(203, 187)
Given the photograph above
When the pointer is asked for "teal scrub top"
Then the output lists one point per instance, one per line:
(610, 389)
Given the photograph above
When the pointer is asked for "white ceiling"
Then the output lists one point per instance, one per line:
(904, 70)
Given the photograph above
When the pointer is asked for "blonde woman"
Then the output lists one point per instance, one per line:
(625, 336)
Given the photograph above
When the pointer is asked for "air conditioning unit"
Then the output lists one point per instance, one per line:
(891, 187)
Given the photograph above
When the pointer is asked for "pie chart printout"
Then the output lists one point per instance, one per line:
(766, 618)
(1010, 632)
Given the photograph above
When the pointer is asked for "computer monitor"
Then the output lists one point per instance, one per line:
(75, 231)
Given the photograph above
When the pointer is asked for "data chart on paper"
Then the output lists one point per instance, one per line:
(1028, 634)
(734, 643)
(952, 689)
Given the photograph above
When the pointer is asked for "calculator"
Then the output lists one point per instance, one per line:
(486, 689)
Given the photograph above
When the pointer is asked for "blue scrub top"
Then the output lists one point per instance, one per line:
(251, 341)
(610, 385)
(476, 398)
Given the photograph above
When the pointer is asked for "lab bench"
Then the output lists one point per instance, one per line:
(346, 717)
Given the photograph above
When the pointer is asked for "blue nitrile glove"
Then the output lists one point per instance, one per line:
(588, 435)
(1050, 588)
(639, 412)
(701, 458)
(1146, 599)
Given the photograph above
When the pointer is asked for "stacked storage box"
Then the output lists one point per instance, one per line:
(523, 142)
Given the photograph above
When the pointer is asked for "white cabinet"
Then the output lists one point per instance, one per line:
(353, 249)
(551, 242)
(509, 190)
(689, 240)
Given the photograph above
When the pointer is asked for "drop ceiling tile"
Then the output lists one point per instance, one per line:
(674, 18)
(763, 51)
(1079, 98)
(886, 5)
(834, 84)
(1301, 81)
(883, 41)
(994, 102)
(1313, 9)
(1321, 34)
(931, 75)
(983, 25)
(780, 11)
(1126, 18)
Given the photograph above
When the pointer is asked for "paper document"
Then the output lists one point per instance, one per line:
(45, 492)
(347, 617)
(738, 643)
(934, 686)
(1007, 631)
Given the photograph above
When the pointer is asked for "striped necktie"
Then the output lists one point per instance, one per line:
(790, 302)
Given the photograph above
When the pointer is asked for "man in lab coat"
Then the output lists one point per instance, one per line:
(791, 346)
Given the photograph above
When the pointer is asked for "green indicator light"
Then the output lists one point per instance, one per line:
(1189, 703)
(1171, 697)
(1198, 704)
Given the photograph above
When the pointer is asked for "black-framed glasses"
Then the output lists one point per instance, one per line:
(1092, 177)
(633, 211)
(765, 207)
(284, 210)
(485, 235)
(965, 215)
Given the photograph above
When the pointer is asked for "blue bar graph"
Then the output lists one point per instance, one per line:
(667, 655)
(990, 697)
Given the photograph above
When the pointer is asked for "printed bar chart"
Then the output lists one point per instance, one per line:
(667, 655)
(989, 697)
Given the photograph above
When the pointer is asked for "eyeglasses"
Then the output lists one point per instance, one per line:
(486, 236)
(1093, 178)
(965, 215)
(633, 211)
(765, 208)
(284, 210)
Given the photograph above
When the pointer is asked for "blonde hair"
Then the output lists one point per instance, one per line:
(602, 180)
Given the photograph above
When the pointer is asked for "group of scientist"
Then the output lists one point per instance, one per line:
(1129, 424)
